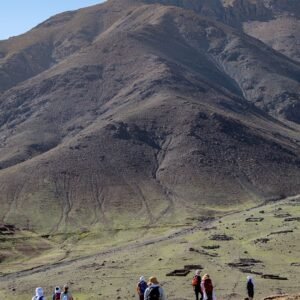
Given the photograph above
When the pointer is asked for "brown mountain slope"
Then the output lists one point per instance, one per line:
(281, 32)
(215, 52)
(273, 22)
(149, 118)
(52, 41)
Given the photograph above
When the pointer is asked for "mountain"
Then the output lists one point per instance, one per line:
(157, 109)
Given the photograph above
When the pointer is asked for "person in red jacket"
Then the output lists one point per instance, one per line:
(196, 283)
(207, 288)
(56, 295)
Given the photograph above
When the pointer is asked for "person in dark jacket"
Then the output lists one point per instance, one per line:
(250, 287)
(197, 286)
(141, 287)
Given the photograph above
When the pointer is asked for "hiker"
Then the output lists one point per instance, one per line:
(250, 287)
(207, 288)
(66, 295)
(141, 287)
(39, 294)
(154, 291)
(56, 295)
(196, 283)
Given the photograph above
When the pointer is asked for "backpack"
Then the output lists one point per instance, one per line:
(208, 285)
(154, 293)
(142, 287)
(195, 280)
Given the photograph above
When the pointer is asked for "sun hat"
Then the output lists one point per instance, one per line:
(153, 280)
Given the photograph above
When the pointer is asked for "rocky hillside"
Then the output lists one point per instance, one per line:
(137, 108)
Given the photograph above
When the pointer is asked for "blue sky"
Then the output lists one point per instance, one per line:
(18, 16)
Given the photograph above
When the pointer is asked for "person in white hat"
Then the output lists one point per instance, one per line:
(56, 294)
(141, 287)
(39, 294)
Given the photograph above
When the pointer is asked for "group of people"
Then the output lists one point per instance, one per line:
(203, 288)
(151, 290)
(57, 295)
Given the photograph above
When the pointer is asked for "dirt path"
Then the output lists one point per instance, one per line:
(180, 233)
(132, 246)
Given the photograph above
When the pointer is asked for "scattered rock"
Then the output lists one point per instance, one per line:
(254, 219)
(285, 215)
(203, 219)
(245, 262)
(193, 267)
(221, 237)
(250, 272)
(203, 252)
(181, 272)
(295, 264)
(7, 229)
(273, 277)
(292, 219)
(209, 228)
(262, 240)
(281, 232)
(213, 247)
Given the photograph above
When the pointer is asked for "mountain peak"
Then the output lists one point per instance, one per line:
(143, 100)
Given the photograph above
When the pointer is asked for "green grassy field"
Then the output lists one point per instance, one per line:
(105, 264)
